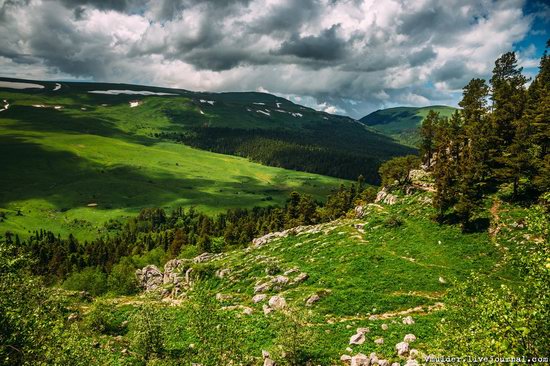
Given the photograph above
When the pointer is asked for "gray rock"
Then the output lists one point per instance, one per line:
(413, 353)
(411, 363)
(363, 330)
(300, 278)
(383, 363)
(281, 280)
(259, 298)
(379, 341)
(262, 287)
(409, 338)
(346, 359)
(312, 299)
(402, 349)
(384, 327)
(359, 212)
(266, 309)
(269, 362)
(204, 257)
(358, 338)
(408, 320)
(149, 277)
(277, 302)
(360, 360)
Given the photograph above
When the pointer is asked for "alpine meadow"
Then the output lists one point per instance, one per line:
(274, 183)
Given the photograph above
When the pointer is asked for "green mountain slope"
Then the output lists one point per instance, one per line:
(401, 123)
(71, 170)
(368, 272)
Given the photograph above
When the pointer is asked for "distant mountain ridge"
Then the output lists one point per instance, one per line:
(401, 123)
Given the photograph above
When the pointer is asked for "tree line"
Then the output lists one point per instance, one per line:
(499, 140)
(181, 230)
(338, 150)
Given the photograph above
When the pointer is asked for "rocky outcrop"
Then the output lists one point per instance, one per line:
(298, 230)
(150, 278)
(384, 196)
(172, 282)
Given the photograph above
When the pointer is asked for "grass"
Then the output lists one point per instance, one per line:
(55, 163)
(401, 123)
(379, 271)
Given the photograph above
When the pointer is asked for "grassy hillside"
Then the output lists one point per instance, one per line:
(401, 123)
(369, 272)
(70, 170)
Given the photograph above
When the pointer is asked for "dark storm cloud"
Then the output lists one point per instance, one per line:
(327, 46)
(349, 56)
(118, 5)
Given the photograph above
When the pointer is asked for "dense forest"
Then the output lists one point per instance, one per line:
(324, 148)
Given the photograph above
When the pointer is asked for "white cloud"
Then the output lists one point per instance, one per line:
(374, 52)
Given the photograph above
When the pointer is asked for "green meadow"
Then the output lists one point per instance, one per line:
(71, 170)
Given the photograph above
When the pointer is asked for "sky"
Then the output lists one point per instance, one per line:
(347, 57)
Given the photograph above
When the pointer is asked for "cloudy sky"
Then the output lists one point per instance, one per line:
(342, 56)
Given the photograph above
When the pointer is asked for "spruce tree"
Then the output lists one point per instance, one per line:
(427, 133)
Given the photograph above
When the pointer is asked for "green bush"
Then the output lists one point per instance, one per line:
(147, 331)
(90, 279)
(122, 279)
(102, 319)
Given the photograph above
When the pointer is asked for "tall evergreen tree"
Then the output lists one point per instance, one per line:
(427, 133)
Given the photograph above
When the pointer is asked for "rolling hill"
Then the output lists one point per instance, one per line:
(401, 123)
(75, 155)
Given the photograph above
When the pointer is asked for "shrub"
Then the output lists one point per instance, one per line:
(90, 279)
(122, 279)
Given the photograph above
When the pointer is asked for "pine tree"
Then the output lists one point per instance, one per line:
(475, 153)
(427, 133)
(508, 96)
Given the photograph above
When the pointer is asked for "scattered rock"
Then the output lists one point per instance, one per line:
(204, 257)
(358, 338)
(72, 316)
(402, 349)
(266, 309)
(396, 364)
(262, 287)
(282, 280)
(269, 362)
(384, 327)
(349, 349)
(363, 330)
(413, 353)
(373, 357)
(411, 363)
(360, 360)
(408, 320)
(359, 212)
(383, 363)
(172, 271)
(312, 299)
(385, 197)
(345, 358)
(291, 271)
(379, 341)
(259, 298)
(265, 354)
(409, 338)
(247, 310)
(442, 280)
(300, 278)
(277, 302)
(221, 273)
